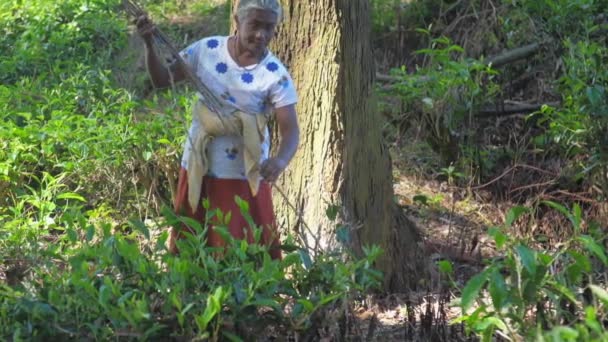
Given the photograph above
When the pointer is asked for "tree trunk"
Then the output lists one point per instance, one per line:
(341, 160)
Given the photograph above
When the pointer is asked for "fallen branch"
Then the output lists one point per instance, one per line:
(513, 55)
(530, 186)
(508, 108)
(496, 61)
(576, 196)
(508, 171)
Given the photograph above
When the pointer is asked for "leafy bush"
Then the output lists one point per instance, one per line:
(532, 293)
(98, 284)
(580, 126)
(45, 38)
(563, 18)
(443, 94)
(83, 164)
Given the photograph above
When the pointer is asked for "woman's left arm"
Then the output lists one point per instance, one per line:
(288, 144)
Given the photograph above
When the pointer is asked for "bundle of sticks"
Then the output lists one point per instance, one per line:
(211, 100)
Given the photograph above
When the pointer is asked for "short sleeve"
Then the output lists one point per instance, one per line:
(190, 54)
(283, 93)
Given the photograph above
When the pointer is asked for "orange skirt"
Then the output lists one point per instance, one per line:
(221, 194)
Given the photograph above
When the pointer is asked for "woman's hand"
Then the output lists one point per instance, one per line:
(272, 168)
(287, 120)
(145, 28)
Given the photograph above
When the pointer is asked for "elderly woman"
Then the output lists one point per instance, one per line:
(226, 152)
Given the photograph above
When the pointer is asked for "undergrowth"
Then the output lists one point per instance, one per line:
(86, 166)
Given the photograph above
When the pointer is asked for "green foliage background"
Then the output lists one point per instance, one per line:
(86, 159)
(88, 153)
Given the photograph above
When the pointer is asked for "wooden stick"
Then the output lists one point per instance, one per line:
(211, 100)
(506, 108)
(496, 61)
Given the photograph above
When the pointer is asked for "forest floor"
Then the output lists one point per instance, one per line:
(454, 226)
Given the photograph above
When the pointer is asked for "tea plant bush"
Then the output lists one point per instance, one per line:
(84, 162)
(544, 295)
(96, 284)
(45, 38)
(66, 120)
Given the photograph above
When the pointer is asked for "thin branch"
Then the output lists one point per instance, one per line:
(506, 108)
(513, 55)
(529, 186)
(496, 61)
(511, 169)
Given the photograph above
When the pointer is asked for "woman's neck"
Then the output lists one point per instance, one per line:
(244, 57)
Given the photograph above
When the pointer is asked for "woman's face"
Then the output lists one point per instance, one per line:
(256, 30)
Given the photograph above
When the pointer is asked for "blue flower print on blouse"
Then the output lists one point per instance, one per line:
(226, 96)
(212, 43)
(231, 153)
(284, 82)
(221, 68)
(272, 67)
(247, 78)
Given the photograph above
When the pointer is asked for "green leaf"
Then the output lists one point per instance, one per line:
(305, 258)
(342, 235)
(160, 242)
(332, 212)
(591, 319)
(564, 291)
(230, 336)
(514, 213)
(228, 218)
(498, 289)
(445, 267)
(71, 195)
(266, 302)
(577, 216)
(212, 309)
(594, 95)
(72, 235)
(562, 333)
(328, 299)
(288, 248)
(499, 238)
(242, 204)
(187, 308)
(104, 295)
(471, 290)
(492, 321)
(566, 212)
(527, 257)
(594, 247)
(147, 155)
(600, 293)
(422, 199)
(308, 305)
(140, 227)
(224, 233)
(90, 233)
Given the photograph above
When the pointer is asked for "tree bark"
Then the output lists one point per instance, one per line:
(342, 159)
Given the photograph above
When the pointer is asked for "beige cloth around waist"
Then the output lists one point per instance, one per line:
(250, 127)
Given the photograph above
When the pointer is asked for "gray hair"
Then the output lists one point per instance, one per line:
(245, 6)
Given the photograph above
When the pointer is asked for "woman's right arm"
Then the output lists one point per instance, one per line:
(156, 69)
